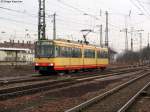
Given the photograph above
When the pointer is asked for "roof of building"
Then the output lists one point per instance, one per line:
(17, 45)
(13, 49)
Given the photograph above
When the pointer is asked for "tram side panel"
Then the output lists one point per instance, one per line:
(62, 58)
(89, 57)
(102, 58)
(76, 58)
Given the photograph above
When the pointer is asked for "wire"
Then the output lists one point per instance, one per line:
(140, 22)
(136, 6)
(17, 11)
(64, 22)
(79, 10)
(83, 12)
(148, 3)
(31, 15)
(143, 7)
(76, 23)
(69, 28)
(17, 21)
(139, 8)
(24, 12)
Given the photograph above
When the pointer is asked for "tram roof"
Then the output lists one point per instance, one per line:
(75, 42)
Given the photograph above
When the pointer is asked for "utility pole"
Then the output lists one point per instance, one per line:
(148, 39)
(101, 35)
(140, 34)
(126, 38)
(100, 12)
(131, 44)
(132, 38)
(54, 26)
(101, 31)
(41, 21)
(106, 33)
(126, 30)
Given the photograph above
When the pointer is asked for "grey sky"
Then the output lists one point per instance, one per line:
(70, 21)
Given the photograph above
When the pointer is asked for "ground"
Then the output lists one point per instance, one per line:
(12, 71)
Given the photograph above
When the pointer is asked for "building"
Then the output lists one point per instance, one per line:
(16, 53)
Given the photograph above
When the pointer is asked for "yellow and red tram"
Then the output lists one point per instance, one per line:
(64, 55)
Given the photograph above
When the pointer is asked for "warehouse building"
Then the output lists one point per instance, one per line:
(16, 53)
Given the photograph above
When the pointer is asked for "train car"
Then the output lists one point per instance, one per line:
(64, 55)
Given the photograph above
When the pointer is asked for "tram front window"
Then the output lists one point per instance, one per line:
(44, 51)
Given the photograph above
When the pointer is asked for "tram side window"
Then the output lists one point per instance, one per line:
(76, 52)
(62, 51)
(88, 53)
(102, 54)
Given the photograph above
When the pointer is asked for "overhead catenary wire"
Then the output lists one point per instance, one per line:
(76, 23)
(18, 21)
(112, 26)
(48, 16)
(77, 9)
(80, 24)
(148, 3)
(29, 16)
(18, 11)
(85, 13)
(24, 12)
(139, 8)
(143, 7)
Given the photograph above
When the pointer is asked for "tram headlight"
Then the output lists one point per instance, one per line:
(36, 64)
(51, 64)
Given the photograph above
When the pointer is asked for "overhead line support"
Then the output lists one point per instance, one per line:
(41, 21)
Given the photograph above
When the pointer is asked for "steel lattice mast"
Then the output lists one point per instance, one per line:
(41, 21)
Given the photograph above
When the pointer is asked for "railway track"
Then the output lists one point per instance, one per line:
(128, 104)
(117, 99)
(11, 92)
(14, 80)
(8, 81)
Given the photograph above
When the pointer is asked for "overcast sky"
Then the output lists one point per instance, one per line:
(71, 19)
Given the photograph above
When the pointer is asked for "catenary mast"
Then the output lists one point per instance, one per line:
(41, 21)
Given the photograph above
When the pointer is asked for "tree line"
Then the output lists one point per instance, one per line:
(135, 57)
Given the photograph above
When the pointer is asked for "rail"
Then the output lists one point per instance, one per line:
(101, 96)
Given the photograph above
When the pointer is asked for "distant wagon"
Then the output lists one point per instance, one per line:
(63, 55)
